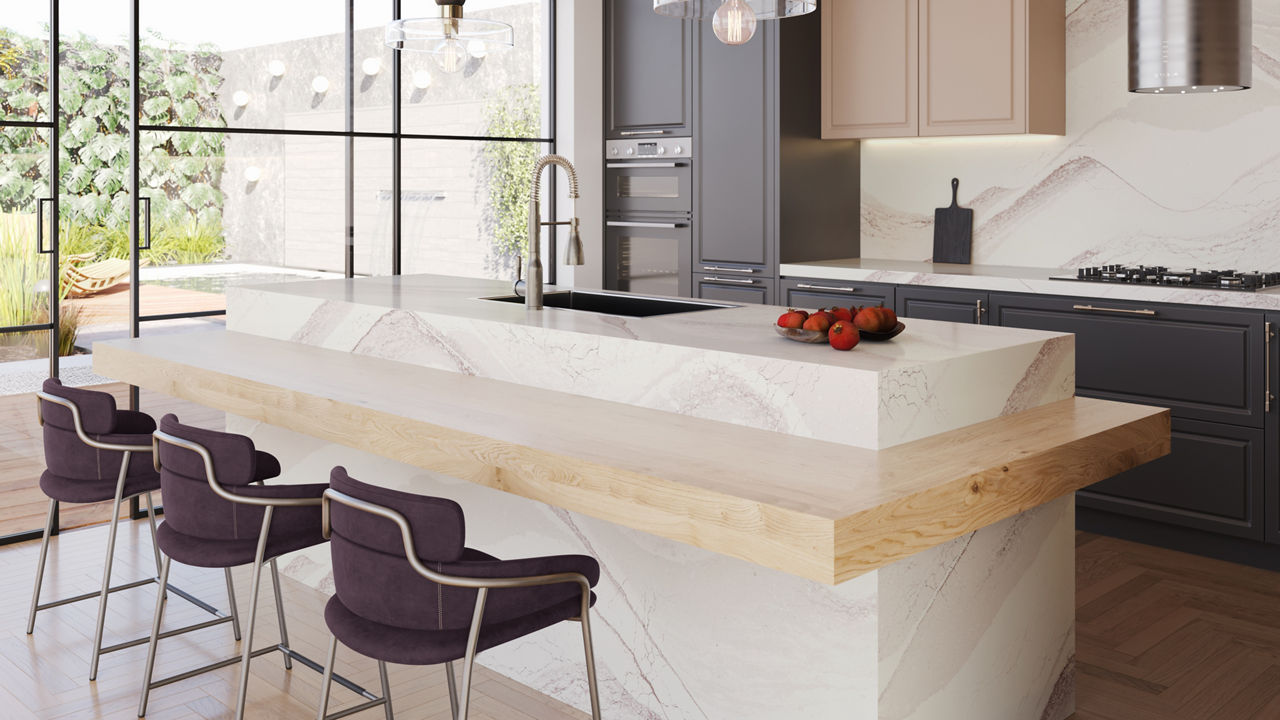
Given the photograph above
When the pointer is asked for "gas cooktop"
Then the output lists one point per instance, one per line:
(1193, 278)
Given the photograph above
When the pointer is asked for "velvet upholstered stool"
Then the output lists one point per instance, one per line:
(409, 591)
(95, 452)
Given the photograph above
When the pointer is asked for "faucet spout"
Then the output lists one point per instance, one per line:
(573, 254)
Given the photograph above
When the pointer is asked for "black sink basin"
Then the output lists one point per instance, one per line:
(611, 304)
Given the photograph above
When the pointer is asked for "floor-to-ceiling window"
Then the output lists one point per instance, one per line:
(275, 141)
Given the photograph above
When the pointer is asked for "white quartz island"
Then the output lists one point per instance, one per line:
(786, 531)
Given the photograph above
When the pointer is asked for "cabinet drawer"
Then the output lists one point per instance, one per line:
(947, 305)
(1203, 363)
(1212, 480)
(812, 294)
(749, 291)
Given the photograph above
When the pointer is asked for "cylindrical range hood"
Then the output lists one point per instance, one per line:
(1190, 46)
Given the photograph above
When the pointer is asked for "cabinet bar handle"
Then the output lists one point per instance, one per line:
(1268, 331)
(980, 311)
(1122, 311)
(806, 286)
(716, 268)
(633, 133)
(620, 223)
(643, 165)
(729, 280)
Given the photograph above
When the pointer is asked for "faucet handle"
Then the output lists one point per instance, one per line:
(518, 287)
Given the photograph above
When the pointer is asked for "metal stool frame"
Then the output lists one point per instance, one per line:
(458, 704)
(107, 589)
(247, 652)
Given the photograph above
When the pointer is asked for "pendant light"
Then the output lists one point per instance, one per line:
(450, 38)
(734, 21)
(1190, 46)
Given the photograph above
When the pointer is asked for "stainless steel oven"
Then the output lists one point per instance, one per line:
(648, 216)
(650, 256)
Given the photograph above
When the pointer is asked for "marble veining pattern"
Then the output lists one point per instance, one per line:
(724, 365)
(1188, 180)
(685, 634)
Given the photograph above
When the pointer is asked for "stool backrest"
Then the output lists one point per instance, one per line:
(191, 506)
(371, 572)
(65, 452)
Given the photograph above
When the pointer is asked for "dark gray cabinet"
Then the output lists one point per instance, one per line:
(808, 294)
(649, 73)
(1204, 363)
(733, 145)
(753, 291)
(945, 304)
(1212, 480)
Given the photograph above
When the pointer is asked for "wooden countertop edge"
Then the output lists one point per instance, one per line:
(827, 549)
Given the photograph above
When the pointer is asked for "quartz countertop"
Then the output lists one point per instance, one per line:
(723, 364)
(1019, 280)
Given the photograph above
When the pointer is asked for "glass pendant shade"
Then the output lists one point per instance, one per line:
(450, 38)
(762, 9)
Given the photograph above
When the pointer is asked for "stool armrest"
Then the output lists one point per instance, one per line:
(79, 426)
(163, 437)
(406, 535)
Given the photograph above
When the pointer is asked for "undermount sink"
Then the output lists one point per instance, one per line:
(611, 304)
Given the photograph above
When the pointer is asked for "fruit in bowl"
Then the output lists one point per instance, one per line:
(845, 314)
(875, 320)
(818, 322)
(843, 335)
(793, 319)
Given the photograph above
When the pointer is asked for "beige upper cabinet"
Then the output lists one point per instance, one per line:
(905, 68)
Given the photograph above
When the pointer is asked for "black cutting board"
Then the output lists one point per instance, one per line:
(953, 231)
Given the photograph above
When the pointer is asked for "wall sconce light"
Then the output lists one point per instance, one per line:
(240, 98)
(320, 84)
(477, 49)
(422, 79)
(371, 66)
(252, 174)
(276, 68)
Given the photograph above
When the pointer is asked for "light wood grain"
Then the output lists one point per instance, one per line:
(819, 510)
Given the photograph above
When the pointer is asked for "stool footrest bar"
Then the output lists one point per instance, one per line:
(168, 633)
(355, 709)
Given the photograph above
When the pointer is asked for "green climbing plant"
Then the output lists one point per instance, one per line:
(180, 171)
(514, 112)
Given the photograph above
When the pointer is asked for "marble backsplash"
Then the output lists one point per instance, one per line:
(1188, 180)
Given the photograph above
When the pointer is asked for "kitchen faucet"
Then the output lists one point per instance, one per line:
(532, 290)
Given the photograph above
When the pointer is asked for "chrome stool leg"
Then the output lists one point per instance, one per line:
(246, 655)
(453, 688)
(44, 554)
(326, 680)
(468, 662)
(106, 568)
(155, 638)
(231, 600)
(155, 544)
(284, 630)
(591, 663)
(386, 690)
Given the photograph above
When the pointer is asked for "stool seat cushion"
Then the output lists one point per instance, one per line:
(69, 490)
(538, 609)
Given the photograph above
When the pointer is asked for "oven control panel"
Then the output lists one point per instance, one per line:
(648, 148)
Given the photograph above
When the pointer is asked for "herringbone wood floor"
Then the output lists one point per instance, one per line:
(1161, 636)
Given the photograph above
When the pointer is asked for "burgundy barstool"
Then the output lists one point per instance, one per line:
(94, 453)
(219, 513)
(409, 591)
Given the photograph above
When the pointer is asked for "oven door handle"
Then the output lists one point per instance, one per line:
(629, 165)
(620, 223)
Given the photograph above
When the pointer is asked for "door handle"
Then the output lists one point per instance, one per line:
(736, 281)
(979, 311)
(620, 223)
(40, 226)
(630, 165)
(1122, 311)
(146, 223)
(1268, 331)
(806, 286)
(633, 133)
(716, 268)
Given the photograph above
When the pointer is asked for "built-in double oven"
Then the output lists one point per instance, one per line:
(649, 215)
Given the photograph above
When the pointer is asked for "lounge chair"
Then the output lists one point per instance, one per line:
(96, 277)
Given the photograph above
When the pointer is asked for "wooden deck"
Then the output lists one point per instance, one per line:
(22, 505)
(112, 307)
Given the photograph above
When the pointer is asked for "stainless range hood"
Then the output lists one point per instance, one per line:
(1190, 46)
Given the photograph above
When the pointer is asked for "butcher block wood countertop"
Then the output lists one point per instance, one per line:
(819, 510)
